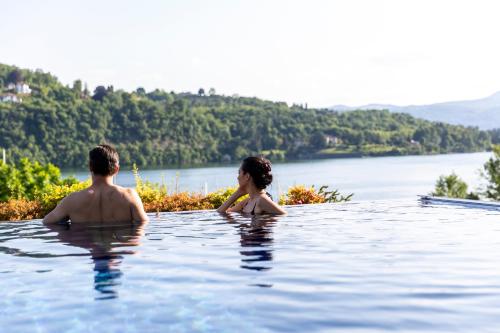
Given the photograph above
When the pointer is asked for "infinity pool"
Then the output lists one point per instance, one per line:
(356, 267)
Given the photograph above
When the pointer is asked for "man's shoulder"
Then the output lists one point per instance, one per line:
(127, 191)
(76, 196)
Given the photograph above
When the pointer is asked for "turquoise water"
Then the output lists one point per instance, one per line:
(368, 178)
(378, 266)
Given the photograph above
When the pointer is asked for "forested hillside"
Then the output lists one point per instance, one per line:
(58, 124)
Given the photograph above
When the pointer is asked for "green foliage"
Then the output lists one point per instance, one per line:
(15, 76)
(333, 196)
(495, 136)
(59, 124)
(150, 193)
(35, 189)
(52, 194)
(300, 195)
(452, 186)
(491, 171)
(27, 179)
(217, 198)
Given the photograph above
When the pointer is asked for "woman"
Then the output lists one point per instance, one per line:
(254, 176)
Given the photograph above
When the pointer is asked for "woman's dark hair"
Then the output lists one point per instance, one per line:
(259, 169)
(103, 160)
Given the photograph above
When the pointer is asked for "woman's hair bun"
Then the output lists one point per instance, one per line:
(259, 169)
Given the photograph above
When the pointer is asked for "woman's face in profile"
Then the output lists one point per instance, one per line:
(242, 177)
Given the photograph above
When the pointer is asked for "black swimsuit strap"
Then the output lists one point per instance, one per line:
(253, 210)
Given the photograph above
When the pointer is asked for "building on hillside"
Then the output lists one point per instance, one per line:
(19, 88)
(9, 97)
(332, 140)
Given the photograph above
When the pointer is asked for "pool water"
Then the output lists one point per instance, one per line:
(355, 267)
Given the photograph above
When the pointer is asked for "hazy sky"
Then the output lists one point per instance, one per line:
(320, 52)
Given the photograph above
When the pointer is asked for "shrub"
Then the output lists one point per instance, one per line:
(491, 172)
(218, 197)
(42, 199)
(298, 195)
(53, 194)
(20, 209)
(26, 179)
(150, 193)
(176, 202)
(453, 187)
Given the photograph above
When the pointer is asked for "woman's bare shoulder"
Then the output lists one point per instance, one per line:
(267, 205)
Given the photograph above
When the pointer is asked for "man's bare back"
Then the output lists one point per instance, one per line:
(102, 201)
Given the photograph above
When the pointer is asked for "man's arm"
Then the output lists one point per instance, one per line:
(58, 214)
(138, 212)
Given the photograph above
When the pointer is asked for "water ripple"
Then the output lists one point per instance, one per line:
(361, 266)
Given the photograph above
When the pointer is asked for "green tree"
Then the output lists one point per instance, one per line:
(15, 76)
(452, 186)
(164, 128)
(27, 179)
(99, 93)
(318, 140)
(77, 87)
(86, 91)
(491, 171)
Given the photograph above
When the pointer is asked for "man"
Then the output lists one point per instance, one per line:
(102, 201)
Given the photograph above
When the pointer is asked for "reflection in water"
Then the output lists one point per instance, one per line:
(103, 241)
(256, 240)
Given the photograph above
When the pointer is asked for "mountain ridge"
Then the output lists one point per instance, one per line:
(483, 112)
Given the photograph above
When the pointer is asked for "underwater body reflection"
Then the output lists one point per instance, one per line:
(107, 244)
(256, 239)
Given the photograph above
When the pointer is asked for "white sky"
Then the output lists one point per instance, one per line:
(320, 52)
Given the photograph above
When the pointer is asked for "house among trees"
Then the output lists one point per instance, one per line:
(332, 140)
(15, 88)
(19, 88)
(9, 97)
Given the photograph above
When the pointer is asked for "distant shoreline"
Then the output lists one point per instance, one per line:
(276, 162)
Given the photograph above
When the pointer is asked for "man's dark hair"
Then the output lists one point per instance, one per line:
(103, 160)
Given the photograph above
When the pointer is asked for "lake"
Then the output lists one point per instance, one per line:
(372, 178)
